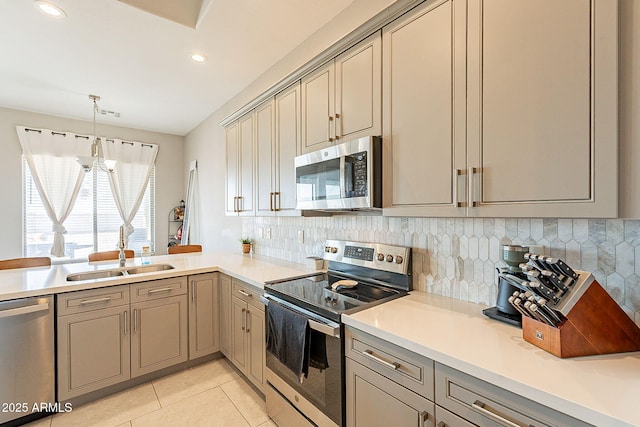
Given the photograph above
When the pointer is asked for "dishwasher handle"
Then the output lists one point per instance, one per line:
(24, 310)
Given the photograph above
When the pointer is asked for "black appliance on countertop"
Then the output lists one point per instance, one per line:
(359, 276)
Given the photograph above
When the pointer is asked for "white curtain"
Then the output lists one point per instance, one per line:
(134, 163)
(52, 158)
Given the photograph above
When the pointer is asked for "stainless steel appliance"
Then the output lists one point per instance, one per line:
(342, 177)
(359, 275)
(26, 357)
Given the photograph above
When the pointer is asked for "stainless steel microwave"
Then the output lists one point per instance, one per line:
(347, 176)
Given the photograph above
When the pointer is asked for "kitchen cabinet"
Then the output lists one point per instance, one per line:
(495, 115)
(400, 382)
(248, 332)
(93, 333)
(277, 143)
(110, 335)
(159, 330)
(484, 404)
(342, 99)
(239, 137)
(225, 314)
(204, 319)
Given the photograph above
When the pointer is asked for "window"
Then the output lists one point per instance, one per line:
(94, 223)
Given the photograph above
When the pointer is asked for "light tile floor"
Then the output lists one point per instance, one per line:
(211, 394)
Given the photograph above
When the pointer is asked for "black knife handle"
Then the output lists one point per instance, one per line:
(543, 291)
(554, 280)
(563, 266)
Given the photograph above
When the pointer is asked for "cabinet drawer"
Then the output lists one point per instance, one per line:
(247, 293)
(155, 289)
(487, 405)
(92, 299)
(445, 418)
(411, 370)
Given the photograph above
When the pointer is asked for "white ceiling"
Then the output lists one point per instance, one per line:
(139, 63)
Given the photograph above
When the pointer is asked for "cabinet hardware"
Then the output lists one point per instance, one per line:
(335, 127)
(456, 176)
(193, 291)
(248, 321)
(329, 129)
(271, 201)
(244, 319)
(95, 301)
(240, 203)
(276, 204)
(424, 417)
(480, 407)
(441, 424)
(245, 293)
(135, 319)
(390, 365)
(472, 186)
(126, 322)
(157, 291)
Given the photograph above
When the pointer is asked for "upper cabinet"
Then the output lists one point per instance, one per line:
(240, 153)
(424, 110)
(542, 108)
(277, 142)
(502, 108)
(342, 99)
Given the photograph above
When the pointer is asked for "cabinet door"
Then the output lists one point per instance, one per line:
(265, 159)
(394, 404)
(256, 349)
(424, 110)
(231, 138)
(93, 351)
(359, 90)
(287, 145)
(225, 315)
(239, 334)
(246, 138)
(543, 108)
(204, 323)
(318, 124)
(159, 337)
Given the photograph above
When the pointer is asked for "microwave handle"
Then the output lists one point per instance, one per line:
(343, 178)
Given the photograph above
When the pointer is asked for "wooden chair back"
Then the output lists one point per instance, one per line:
(108, 255)
(25, 262)
(183, 249)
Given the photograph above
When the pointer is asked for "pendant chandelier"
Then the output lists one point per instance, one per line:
(96, 155)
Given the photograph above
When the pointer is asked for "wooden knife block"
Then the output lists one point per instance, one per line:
(595, 324)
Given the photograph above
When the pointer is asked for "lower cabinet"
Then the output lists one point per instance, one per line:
(204, 319)
(248, 332)
(109, 335)
(225, 314)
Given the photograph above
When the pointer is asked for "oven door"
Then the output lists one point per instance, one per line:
(320, 396)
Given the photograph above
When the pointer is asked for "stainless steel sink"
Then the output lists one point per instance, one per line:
(149, 268)
(92, 275)
(118, 272)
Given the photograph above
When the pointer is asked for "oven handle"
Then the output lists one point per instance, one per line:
(330, 329)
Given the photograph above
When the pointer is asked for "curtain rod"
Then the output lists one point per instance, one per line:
(87, 137)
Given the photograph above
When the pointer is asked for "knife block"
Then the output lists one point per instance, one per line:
(595, 324)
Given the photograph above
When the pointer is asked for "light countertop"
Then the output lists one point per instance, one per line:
(601, 390)
(253, 269)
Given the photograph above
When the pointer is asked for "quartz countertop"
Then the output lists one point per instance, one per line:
(253, 269)
(601, 390)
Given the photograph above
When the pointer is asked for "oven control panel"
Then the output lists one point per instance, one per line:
(373, 255)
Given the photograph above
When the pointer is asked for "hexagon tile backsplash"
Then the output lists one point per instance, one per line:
(457, 257)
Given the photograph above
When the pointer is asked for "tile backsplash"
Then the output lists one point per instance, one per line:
(458, 257)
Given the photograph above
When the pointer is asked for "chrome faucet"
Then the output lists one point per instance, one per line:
(121, 246)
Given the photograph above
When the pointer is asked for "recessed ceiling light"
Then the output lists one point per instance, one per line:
(49, 8)
(198, 57)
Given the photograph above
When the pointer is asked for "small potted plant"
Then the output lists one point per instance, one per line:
(246, 245)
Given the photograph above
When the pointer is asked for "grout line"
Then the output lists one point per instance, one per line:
(235, 406)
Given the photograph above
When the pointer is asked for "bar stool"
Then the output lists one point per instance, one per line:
(25, 262)
(182, 249)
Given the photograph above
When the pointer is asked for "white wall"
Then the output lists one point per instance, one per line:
(170, 183)
(206, 143)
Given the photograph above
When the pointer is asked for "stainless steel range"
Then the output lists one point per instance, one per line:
(359, 276)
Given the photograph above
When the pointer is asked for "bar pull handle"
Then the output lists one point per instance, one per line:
(126, 322)
(335, 127)
(95, 301)
(390, 365)
(248, 321)
(424, 417)
(24, 310)
(244, 319)
(245, 293)
(159, 290)
(441, 424)
(330, 122)
(271, 201)
(472, 186)
(193, 291)
(480, 407)
(456, 176)
(135, 319)
(276, 203)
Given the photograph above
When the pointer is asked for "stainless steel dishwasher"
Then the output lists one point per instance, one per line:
(27, 364)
